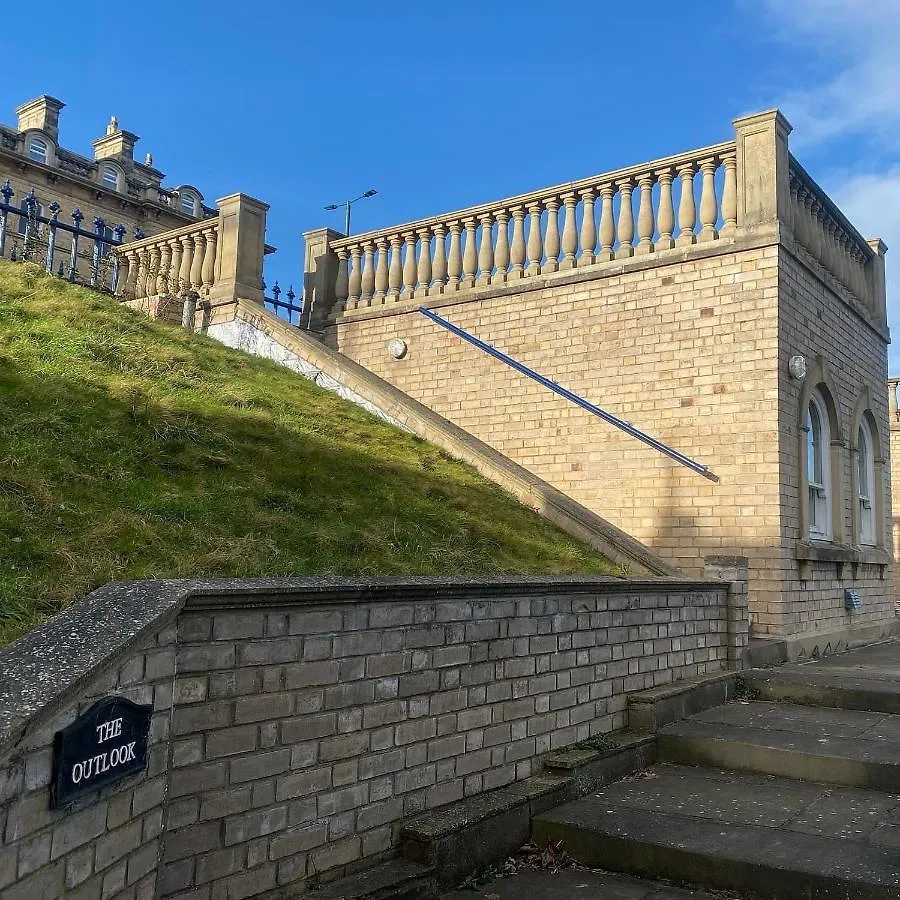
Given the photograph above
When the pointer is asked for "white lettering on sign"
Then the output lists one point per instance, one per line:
(108, 730)
(108, 759)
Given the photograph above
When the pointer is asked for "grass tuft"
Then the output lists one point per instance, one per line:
(132, 449)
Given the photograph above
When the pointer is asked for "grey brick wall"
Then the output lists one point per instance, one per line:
(105, 845)
(297, 722)
(303, 735)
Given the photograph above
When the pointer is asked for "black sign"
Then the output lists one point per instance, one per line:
(105, 744)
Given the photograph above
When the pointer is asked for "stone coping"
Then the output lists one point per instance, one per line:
(40, 670)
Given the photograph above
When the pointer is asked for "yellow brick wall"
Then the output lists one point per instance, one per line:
(692, 351)
(685, 351)
(814, 320)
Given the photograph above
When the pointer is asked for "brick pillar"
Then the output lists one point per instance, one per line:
(240, 251)
(734, 570)
(320, 268)
(763, 177)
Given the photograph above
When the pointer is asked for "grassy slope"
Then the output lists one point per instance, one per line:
(131, 449)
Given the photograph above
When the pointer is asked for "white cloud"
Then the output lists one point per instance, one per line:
(857, 47)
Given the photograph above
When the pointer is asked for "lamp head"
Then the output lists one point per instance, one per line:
(332, 206)
(371, 193)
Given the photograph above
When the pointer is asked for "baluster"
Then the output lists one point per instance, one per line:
(7, 193)
(77, 218)
(197, 262)
(51, 238)
(187, 262)
(382, 276)
(551, 236)
(607, 223)
(152, 271)
(729, 197)
(209, 260)
(665, 217)
(517, 250)
(860, 277)
(800, 219)
(535, 244)
(454, 263)
(129, 289)
(439, 267)
(423, 271)
(341, 281)
(646, 225)
(368, 274)
(570, 232)
(395, 272)
(588, 229)
(709, 208)
(470, 258)
(486, 249)
(818, 237)
(686, 210)
(174, 285)
(626, 220)
(409, 264)
(162, 274)
(140, 278)
(354, 282)
(99, 226)
(501, 253)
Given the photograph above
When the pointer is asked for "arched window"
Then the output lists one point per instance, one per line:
(189, 204)
(110, 178)
(865, 458)
(37, 150)
(818, 469)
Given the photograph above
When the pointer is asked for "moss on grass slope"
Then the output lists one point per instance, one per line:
(131, 449)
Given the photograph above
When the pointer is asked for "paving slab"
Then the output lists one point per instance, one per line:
(740, 831)
(837, 746)
(867, 678)
(571, 884)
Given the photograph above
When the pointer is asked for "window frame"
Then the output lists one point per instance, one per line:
(867, 531)
(188, 197)
(819, 492)
(112, 185)
(44, 156)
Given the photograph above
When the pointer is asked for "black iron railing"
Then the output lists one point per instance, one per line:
(291, 310)
(36, 239)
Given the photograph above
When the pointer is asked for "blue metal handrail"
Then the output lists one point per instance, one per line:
(569, 395)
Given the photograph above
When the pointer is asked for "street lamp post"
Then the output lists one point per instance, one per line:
(347, 204)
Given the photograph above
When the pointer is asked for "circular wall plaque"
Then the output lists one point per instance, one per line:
(397, 348)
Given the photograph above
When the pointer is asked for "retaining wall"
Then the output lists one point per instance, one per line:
(297, 722)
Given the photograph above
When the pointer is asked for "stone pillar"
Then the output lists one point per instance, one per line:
(763, 177)
(734, 570)
(240, 250)
(320, 267)
(876, 280)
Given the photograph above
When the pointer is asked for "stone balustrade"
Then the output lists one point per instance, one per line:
(829, 238)
(177, 263)
(680, 200)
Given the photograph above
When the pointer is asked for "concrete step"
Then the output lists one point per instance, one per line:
(756, 835)
(834, 746)
(396, 879)
(577, 884)
(867, 679)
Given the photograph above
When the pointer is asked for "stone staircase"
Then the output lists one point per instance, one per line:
(793, 794)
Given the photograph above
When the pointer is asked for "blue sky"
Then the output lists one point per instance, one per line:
(440, 106)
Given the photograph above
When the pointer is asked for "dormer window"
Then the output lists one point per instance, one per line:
(110, 178)
(37, 150)
(189, 204)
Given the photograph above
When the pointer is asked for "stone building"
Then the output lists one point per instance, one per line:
(112, 185)
(717, 300)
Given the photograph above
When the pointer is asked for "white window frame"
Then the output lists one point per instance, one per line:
(865, 485)
(110, 183)
(43, 154)
(818, 489)
(188, 204)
